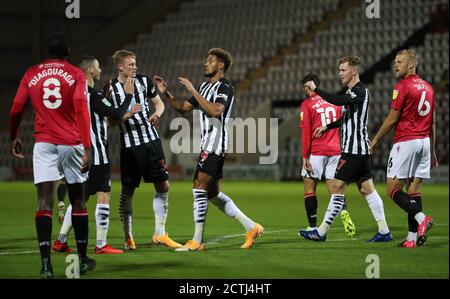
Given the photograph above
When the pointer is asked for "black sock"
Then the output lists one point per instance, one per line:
(405, 202)
(311, 209)
(412, 222)
(43, 221)
(81, 229)
(61, 191)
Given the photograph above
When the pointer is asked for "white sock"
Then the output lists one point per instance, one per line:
(334, 208)
(419, 217)
(200, 210)
(227, 205)
(411, 236)
(376, 206)
(66, 226)
(160, 206)
(126, 215)
(102, 222)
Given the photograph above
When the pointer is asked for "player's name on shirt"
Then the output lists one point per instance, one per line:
(54, 71)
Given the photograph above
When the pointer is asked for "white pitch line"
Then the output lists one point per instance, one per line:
(19, 252)
(218, 239)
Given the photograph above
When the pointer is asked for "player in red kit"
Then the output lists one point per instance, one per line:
(320, 154)
(413, 154)
(57, 91)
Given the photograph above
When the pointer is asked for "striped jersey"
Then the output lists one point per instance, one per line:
(100, 108)
(137, 129)
(354, 135)
(214, 134)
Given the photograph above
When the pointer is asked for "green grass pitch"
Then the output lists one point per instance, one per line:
(280, 253)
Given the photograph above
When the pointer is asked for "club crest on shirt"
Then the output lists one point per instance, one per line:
(394, 94)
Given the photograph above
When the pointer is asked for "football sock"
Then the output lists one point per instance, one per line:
(227, 205)
(61, 191)
(81, 229)
(160, 207)
(200, 210)
(43, 220)
(412, 236)
(126, 212)
(412, 223)
(377, 208)
(102, 222)
(311, 208)
(334, 208)
(66, 226)
(408, 204)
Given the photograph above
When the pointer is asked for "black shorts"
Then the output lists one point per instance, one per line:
(352, 168)
(211, 164)
(99, 179)
(144, 161)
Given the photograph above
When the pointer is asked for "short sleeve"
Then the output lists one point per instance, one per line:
(398, 97)
(304, 116)
(151, 90)
(224, 94)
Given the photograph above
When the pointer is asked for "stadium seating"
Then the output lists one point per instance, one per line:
(254, 31)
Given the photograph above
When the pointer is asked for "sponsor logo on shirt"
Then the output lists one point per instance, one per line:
(222, 96)
(106, 102)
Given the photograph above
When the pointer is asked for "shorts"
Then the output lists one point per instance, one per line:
(211, 164)
(409, 159)
(352, 168)
(322, 165)
(143, 161)
(99, 179)
(53, 162)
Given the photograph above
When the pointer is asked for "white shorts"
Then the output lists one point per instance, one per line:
(321, 165)
(53, 162)
(410, 159)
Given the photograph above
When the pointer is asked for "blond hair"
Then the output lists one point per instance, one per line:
(120, 55)
(411, 54)
(352, 60)
(223, 56)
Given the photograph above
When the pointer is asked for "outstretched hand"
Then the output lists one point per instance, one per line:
(187, 84)
(160, 84)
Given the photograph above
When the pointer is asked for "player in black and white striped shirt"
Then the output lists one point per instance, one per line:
(354, 164)
(99, 180)
(141, 154)
(214, 100)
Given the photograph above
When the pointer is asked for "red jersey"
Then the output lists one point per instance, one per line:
(415, 99)
(314, 113)
(57, 91)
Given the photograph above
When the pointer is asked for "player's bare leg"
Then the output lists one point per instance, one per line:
(227, 206)
(160, 208)
(126, 215)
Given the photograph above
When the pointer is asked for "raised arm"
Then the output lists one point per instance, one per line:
(213, 109)
(181, 106)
